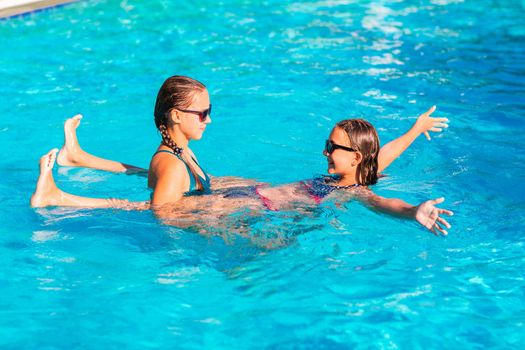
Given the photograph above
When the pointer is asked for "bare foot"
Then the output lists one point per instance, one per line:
(46, 193)
(70, 151)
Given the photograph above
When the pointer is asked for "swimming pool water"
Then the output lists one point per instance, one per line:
(280, 74)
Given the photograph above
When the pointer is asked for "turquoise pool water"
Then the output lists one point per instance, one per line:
(280, 74)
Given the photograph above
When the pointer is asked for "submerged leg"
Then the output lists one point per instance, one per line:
(48, 194)
(71, 154)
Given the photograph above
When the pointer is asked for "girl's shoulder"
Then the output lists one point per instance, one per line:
(164, 162)
(165, 156)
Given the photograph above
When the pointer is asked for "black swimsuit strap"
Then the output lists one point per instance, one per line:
(170, 152)
(206, 177)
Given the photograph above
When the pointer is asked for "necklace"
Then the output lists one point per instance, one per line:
(320, 187)
(328, 181)
(342, 187)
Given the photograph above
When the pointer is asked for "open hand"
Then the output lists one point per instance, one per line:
(426, 123)
(429, 216)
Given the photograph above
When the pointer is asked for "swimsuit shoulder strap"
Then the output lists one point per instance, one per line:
(192, 179)
(206, 177)
(166, 151)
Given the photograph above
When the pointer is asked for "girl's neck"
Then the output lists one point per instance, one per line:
(347, 180)
(181, 140)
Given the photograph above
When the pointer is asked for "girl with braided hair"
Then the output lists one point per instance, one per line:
(182, 113)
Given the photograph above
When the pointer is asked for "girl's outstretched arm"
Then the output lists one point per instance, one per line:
(424, 123)
(426, 213)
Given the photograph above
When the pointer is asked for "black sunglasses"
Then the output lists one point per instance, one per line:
(202, 115)
(329, 147)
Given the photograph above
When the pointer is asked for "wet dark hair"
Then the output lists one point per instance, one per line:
(176, 92)
(363, 137)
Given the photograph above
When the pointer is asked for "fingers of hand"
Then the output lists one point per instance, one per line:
(436, 129)
(433, 230)
(443, 222)
(439, 120)
(427, 135)
(440, 229)
(438, 200)
(445, 211)
(430, 111)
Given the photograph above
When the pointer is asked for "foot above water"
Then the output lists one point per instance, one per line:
(46, 191)
(70, 151)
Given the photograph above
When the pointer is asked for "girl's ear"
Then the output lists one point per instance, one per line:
(358, 158)
(175, 116)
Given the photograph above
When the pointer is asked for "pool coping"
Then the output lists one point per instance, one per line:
(10, 8)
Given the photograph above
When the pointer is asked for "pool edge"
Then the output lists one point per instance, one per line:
(28, 7)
